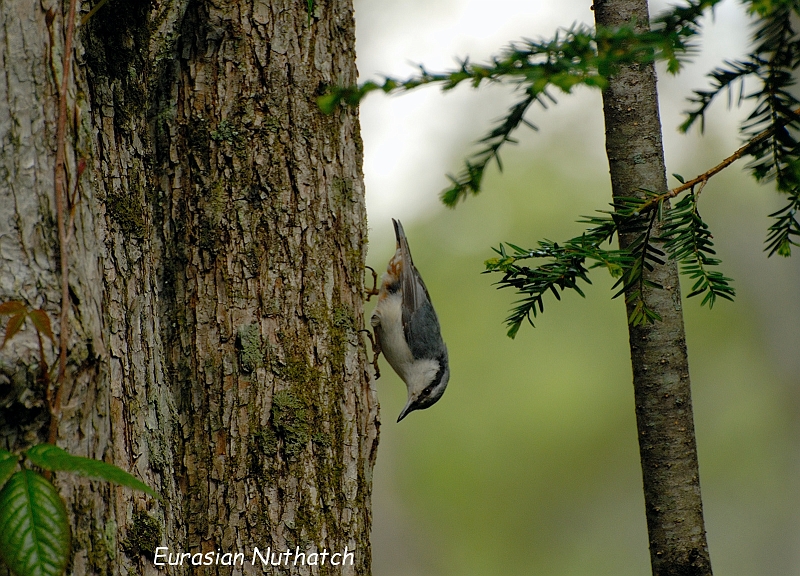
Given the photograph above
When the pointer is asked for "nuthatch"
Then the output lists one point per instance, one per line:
(407, 330)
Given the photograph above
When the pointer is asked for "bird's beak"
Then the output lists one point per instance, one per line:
(406, 410)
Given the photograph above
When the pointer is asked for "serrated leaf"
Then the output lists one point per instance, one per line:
(14, 325)
(34, 530)
(54, 458)
(12, 307)
(41, 321)
(8, 465)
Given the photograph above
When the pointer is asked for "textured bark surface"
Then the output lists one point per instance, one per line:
(215, 273)
(661, 382)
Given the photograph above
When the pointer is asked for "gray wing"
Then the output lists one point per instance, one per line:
(420, 324)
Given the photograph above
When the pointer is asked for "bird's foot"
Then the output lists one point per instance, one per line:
(376, 352)
(374, 290)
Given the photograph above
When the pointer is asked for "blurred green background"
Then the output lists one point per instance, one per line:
(529, 463)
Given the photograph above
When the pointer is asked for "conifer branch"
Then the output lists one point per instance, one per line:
(708, 174)
(577, 56)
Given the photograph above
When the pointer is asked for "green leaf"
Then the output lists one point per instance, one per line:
(34, 531)
(688, 240)
(54, 458)
(328, 102)
(8, 465)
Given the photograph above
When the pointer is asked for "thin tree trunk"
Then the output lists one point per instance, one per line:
(661, 382)
(216, 276)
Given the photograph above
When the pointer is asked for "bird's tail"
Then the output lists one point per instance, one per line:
(402, 241)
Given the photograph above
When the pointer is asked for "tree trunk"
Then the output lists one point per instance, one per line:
(662, 390)
(215, 277)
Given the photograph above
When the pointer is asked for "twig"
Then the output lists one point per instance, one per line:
(61, 212)
(92, 11)
(706, 176)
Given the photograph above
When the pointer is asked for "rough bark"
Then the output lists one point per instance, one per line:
(662, 390)
(215, 274)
